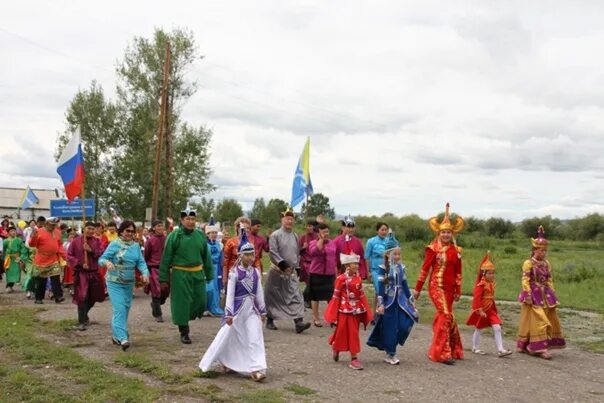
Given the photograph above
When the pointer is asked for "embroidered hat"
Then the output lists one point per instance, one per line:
(540, 242)
(211, 227)
(245, 246)
(188, 212)
(485, 265)
(347, 259)
(445, 224)
(288, 212)
(391, 242)
(348, 221)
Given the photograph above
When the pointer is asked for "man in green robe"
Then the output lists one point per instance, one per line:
(15, 253)
(185, 267)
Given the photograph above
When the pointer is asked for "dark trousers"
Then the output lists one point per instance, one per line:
(83, 309)
(55, 282)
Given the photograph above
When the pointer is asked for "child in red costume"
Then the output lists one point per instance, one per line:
(484, 311)
(347, 309)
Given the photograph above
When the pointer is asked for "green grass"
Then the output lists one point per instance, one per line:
(18, 329)
(158, 370)
(299, 389)
(262, 396)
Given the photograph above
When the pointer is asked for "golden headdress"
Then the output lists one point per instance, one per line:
(485, 265)
(446, 223)
(288, 212)
(540, 242)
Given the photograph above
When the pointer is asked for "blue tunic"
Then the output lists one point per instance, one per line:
(374, 254)
(394, 326)
(214, 286)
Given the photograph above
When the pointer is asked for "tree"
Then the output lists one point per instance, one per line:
(474, 224)
(318, 204)
(499, 227)
(140, 76)
(228, 210)
(272, 212)
(205, 208)
(259, 209)
(550, 226)
(99, 123)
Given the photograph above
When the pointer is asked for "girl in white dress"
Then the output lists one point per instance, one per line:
(239, 344)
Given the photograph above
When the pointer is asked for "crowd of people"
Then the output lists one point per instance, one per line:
(205, 271)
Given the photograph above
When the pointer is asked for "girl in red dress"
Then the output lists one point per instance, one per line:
(347, 309)
(484, 311)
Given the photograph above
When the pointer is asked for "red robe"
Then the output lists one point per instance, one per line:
(348, 308)
(484, 297)
(443, 263)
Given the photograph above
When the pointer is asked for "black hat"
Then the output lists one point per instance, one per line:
(256, 221)
(156, 222)
(89, 224)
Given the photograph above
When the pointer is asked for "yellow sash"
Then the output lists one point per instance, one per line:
(188, 268)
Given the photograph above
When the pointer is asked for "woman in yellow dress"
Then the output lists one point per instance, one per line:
(539, 328)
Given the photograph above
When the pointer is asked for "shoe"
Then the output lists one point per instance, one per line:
(115, 341)
(504, 353)
(10, 290)
(38, 302)
(59, 300)
(185, 339)
(546, 355)
(159, 319)
(336, 356)
(392, 360)
(257, 376)
(28, 295)
(302, 326)
(479, 351)
(125, 345)
(355, 364)
(318, 323)
(271, 325)
(81, 327)
(450, 361)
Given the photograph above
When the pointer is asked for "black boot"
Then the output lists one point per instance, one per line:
(301, 325)
(82, 318)
(184, 334)
(156, 310)
(270, 324)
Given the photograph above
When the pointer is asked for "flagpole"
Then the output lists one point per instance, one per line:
(83, 197)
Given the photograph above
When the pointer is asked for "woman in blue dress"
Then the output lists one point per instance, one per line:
(214, 287)
(121, 258)
(395, 306)
(374, 254)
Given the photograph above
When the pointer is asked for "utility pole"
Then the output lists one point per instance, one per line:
(168, 138)
(161, 132)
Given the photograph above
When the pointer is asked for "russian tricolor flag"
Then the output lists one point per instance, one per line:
(71, 167)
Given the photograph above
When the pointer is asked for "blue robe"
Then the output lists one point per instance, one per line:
(394, 326)
(214, 286)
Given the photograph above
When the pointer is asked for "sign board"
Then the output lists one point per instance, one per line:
(148, 214)
(62, 208)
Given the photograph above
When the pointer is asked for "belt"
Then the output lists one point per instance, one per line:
(188, 268)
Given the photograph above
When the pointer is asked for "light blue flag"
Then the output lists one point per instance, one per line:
(29, 199)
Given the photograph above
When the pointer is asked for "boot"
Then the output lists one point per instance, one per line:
(82, 318)
(184, 334)
(301, 325)
(270, 324)
(156, 310)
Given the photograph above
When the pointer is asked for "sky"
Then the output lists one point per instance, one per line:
(495, 107)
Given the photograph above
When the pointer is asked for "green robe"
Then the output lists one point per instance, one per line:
(14, 251)
(187, 289)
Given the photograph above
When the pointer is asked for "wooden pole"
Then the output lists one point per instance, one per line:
(160, 134)
(83, 198)
(168, 135)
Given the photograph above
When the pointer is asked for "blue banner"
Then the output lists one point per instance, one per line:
(63, 208)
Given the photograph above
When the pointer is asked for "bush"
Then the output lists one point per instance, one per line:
(510, 250)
